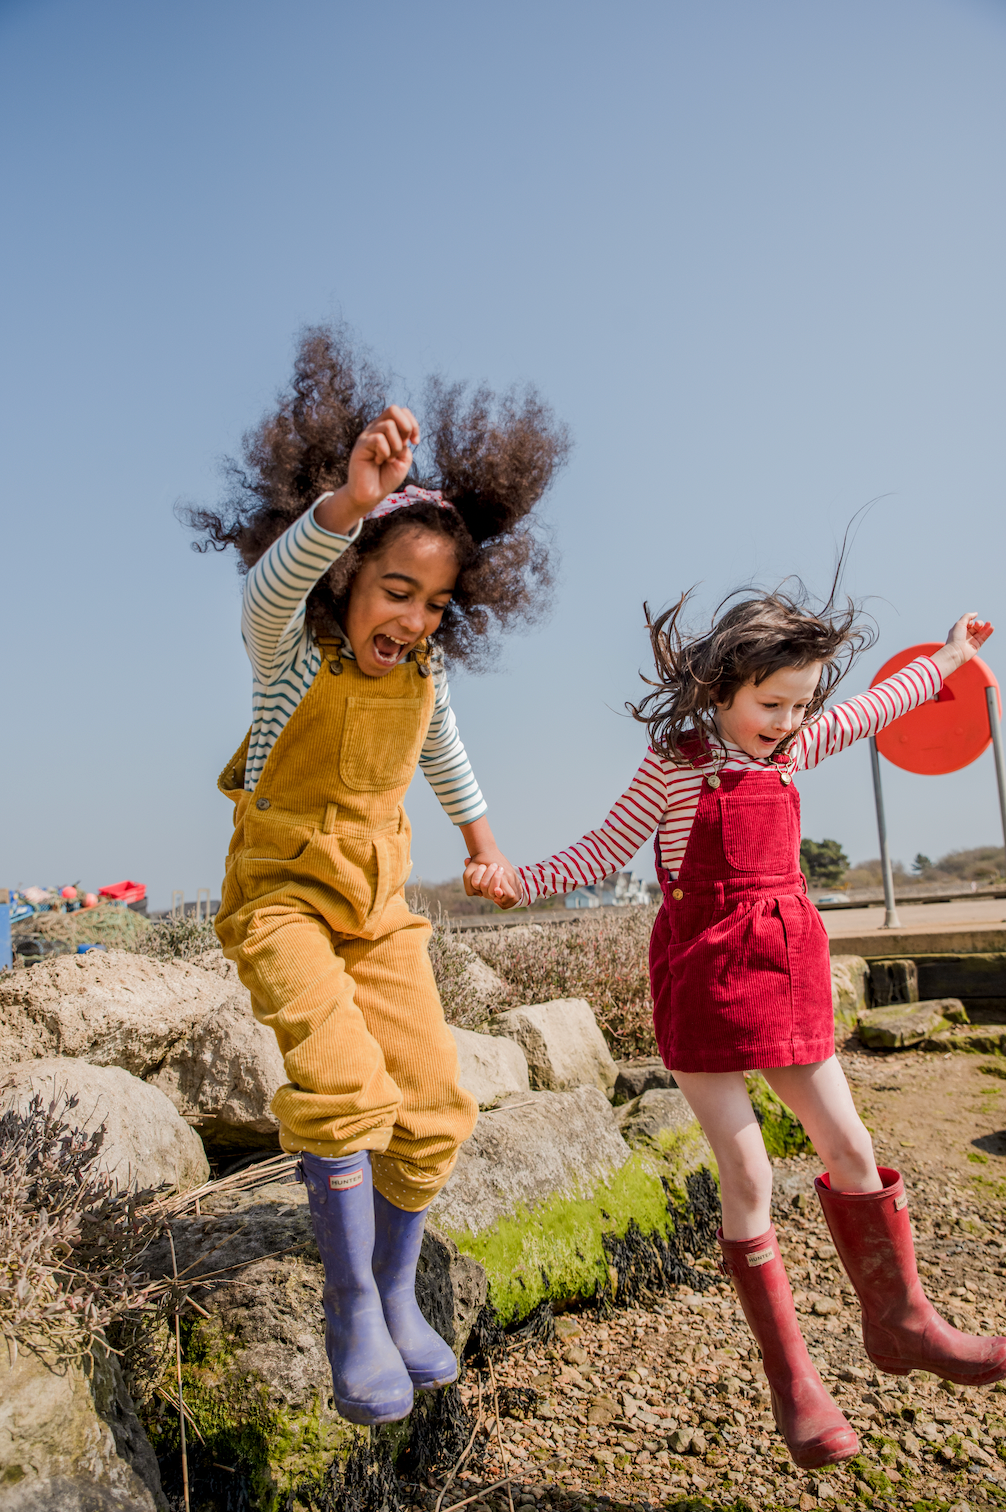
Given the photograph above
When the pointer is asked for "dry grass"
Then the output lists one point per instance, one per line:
(602, 957)
(69, 1241)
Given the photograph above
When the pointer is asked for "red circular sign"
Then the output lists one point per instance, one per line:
(948, 732)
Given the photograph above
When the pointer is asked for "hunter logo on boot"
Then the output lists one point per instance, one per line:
(760, 1257)
(344, 1183)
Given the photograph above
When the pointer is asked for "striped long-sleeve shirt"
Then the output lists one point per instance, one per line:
(664, 796)
(285, 659)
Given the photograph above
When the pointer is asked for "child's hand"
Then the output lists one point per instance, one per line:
(964, 641)
(488, 874)
(378, 465)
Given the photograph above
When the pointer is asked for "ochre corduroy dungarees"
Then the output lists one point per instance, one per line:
(314, 914)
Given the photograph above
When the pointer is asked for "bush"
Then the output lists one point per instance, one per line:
(69, 1241)
(178, 939)
(602, 957)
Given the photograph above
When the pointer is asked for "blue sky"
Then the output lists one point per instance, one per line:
(752, 254)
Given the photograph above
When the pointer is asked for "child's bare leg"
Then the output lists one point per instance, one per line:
(819, 1096)
(813, 1426)
(720, 1102)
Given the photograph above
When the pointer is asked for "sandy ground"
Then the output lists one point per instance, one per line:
(666, 1405)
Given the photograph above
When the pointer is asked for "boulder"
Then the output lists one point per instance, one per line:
(70, 1440)
(634, 1077)
(900, 1025)
(850, 977)
(147, 1143)
(984, 1039)
(187, 1027)
(546, 1185)
(489, 1067)
(527, 1153)
(223, 1076)
(563, 1045)
(258, 1358)
(659, 1113)
(109, 1007)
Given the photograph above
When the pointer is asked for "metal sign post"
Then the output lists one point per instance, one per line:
(891, 920)
(992, 698)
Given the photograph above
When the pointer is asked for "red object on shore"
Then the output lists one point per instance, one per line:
(68, 892)
(951, 730)
(124, 892)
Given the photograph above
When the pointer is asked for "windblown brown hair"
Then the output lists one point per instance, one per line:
(493, 456)
(750, 641)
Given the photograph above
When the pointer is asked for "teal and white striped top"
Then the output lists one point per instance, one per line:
(285, 659)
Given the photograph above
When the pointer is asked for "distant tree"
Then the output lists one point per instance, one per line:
(823, 862)
(921, 864)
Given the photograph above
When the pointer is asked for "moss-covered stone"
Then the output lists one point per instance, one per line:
(782, 1131)
(274, 1427)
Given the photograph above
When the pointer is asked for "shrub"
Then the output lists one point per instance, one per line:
(602, 957)
(69, 1240)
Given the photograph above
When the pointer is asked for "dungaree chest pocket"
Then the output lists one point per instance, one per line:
(760, 834)
(381, 742)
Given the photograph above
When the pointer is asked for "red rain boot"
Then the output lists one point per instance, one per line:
(813, 1426)
(902, 1330)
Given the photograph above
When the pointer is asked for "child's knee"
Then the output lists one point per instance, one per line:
(748, 1176)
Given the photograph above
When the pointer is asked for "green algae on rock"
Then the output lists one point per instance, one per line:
(547, 1184)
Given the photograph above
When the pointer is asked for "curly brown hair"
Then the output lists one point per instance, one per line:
(492, 456)
(753, 639)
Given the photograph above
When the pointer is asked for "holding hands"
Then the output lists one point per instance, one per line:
(487, 877)
(378, 465)
(964, 641)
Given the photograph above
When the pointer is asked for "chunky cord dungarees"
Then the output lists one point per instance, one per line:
(314, 914)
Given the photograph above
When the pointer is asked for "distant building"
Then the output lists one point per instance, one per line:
(614, 892)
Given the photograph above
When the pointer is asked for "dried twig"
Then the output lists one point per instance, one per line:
(479, 1495)
(178, 1369)
(504, 1458)
(465, 1454)
(263, 1173)
(172, 1401)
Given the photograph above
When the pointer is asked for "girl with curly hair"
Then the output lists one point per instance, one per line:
(740, 968)
(358, 585)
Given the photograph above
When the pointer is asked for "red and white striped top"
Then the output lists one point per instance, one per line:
(664, 797)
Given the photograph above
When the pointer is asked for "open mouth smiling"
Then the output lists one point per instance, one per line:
(388, 650)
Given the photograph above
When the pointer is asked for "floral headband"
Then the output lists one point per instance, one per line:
(407, 496)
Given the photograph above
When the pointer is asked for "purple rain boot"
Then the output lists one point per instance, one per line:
(398, 1240)
(369, 1379)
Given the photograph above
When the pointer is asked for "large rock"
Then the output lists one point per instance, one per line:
(147, 1143)
(659, 1116)
(850, 977)
(70, 1440)
(546, 1185)
(109, 1007)
(259, 1356)
(549, 1144)
(638, 1076)
(563, 1045)
(223, 1077)
(489, 1067)
(901, 1025)
(188, 1027)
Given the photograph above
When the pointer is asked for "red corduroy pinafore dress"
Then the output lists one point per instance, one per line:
(739, 962)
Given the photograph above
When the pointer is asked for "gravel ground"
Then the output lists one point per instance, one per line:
(667, 1406)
